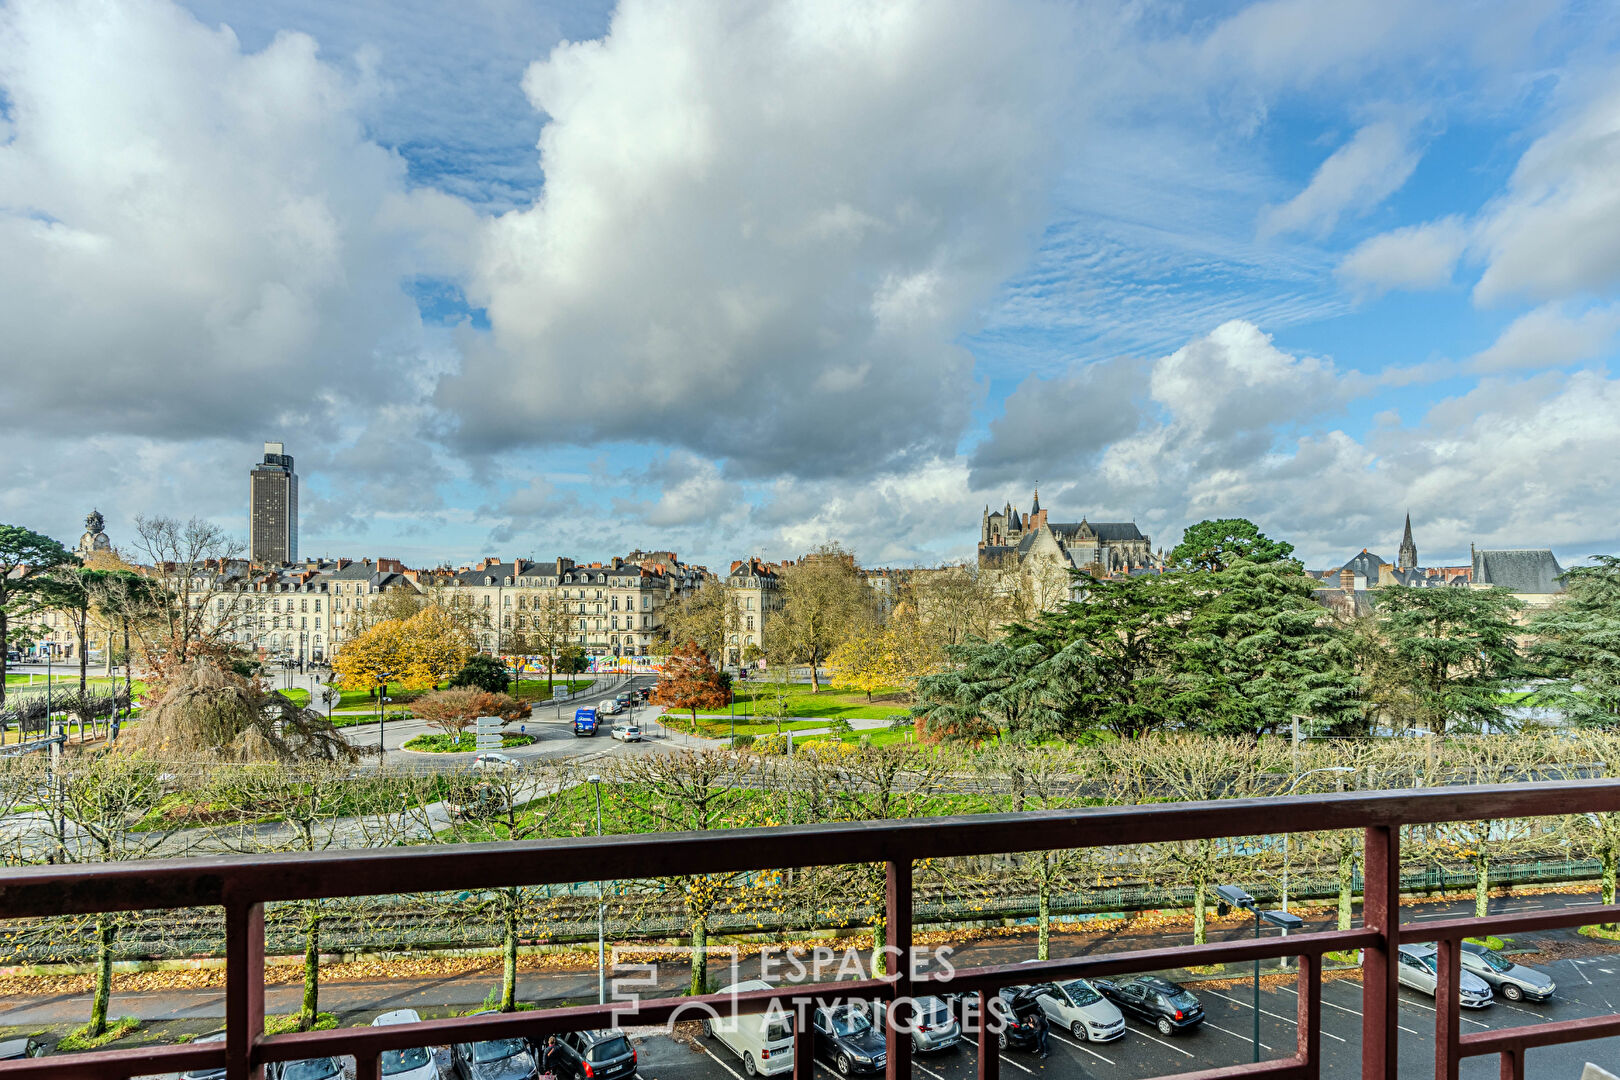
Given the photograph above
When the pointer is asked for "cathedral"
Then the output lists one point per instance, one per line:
(1007, 539)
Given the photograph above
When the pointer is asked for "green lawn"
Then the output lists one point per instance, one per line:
(465, 743)
(536, 690)
(95, 682)
(833, 702)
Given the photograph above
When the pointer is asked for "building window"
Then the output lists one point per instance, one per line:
(750, 622)
(303, 623)
(317, 626)
(303, 605)
(615, 622)
(317, 603)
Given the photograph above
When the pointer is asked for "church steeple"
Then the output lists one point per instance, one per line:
(1408, 552)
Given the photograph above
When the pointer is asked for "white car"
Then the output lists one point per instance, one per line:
(626, 732)
(489, 759)
(764, 1044)
(413, 1064)
(1075, 1005)
(608, 707)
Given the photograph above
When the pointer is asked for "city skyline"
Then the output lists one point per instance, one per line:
(1228, 271)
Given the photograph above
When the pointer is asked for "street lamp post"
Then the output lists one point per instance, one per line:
(601, 908)
(382, 712)
(1236, 897)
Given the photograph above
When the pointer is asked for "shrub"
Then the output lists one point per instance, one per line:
(482, 672)
(454, 711)
(742, 742)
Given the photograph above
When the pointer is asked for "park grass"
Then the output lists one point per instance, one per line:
(282, 1025)
(71, 681)
(117, 1029)
(833, 702)
(536, 689)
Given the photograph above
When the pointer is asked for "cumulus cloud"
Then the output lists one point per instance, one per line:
(763, 229)
(1549, 336)
(1357, 176)
(1055, 425)
(192, 230)
(1415, 257)
(1556, 231)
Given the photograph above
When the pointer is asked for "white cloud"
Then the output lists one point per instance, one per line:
(1414, 257)
(762, 230)
(1053, 426)
(1556, 231)
(1549, 336)
(1357, 176)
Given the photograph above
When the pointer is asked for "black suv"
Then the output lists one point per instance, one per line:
(593, 1055)
(1160, 1002)
(493, 1059)
(846, 1035)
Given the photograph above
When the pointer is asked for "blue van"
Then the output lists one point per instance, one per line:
(584, 721)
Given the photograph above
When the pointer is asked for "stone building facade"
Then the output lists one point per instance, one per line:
(1008, 540)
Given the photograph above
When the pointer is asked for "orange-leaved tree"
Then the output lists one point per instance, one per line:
(690, 681)
(453, 711)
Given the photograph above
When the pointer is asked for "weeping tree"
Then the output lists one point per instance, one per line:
(221, 715)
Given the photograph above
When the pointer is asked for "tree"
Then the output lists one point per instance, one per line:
(208, 712)
(372, 657)
(201, 602)
(454, 711)
(866, 661)
(705, 617)
(25, 555)
(690, 681)
(1450, 655)
(73, 590)
(1577, 644)
(482, 672)
(988, 693)
(824, 601)
(433, 648)
(1597, 754)
(959, 603)
(1217, 545)
(550, 631)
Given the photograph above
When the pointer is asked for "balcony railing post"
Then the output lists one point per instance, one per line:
(244, 986)
(804, 1042)
(1447, 1003)
(897, 926)
(1513, 1064)
(1308, 1020)
(366, 1066)
(989, 1044)
(1380, 911)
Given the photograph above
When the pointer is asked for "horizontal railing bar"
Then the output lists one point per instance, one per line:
(542, 1022)
(1215, 952)
(84, 889)
(1552, 1033)
(1510, 924)
(1283, 1069)
(117, 1064)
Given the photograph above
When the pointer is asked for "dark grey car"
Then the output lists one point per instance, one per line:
(494, 1059)
(1514, 981)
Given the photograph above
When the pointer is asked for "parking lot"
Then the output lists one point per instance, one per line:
(1587, 986)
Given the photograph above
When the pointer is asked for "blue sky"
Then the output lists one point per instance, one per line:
(537, 279)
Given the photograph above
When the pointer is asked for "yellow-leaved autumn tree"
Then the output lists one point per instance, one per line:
(371, 657)
(420, 652)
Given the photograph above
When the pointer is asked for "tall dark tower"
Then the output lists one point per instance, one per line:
(1408, 553)
(273, 508)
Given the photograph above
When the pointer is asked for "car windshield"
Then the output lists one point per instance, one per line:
(851, 1022)
(1496, 960)
(1183, 1000)
(1081, 993)
(399, 1061)
(777, 1030)
(609, 1050)
(933, 1015)
(496, 1050)
(312, 1069)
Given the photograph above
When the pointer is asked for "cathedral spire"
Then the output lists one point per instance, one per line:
(1408, 552)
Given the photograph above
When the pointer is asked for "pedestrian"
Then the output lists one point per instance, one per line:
(549, 1055)
(1034, 1016)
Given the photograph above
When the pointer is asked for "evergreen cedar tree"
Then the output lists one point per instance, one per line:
(482, 672)
(690, 682)
(19, 596)
(1216, 545)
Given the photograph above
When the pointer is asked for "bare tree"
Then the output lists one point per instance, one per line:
(202, 602)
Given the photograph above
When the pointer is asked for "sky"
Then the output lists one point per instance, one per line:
(533, 279)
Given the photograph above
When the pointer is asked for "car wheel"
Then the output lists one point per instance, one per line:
(748, 1065)
(1165, 1026)
(1511, 992)
(708, 1028)
(1001, 1040)
(1078, 1030)
(843, 1064)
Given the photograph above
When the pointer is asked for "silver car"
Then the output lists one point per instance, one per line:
(933, 1026)
(1418, 969)
(1074, 1004)
(1515, 981)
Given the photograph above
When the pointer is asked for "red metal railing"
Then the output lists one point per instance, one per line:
(243, 886)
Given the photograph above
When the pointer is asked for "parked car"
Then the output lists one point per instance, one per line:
(479, 800)
(1166, 1005)
(16, 1049)
(490, 759)
(415, 1063)
(626, 732)
(195, 1074)
(933, 1025)
(1078, 1007)
(846, 1036)
(765, 1044)
(1515, 981)
(322, 1068)
(494, 1059)
(594, 1055)
(1419, 969)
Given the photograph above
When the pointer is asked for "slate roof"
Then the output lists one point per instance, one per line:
(1113, 531)
(1523, 570)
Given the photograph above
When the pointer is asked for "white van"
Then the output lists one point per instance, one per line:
(607, 707)
(414, 1064)
(765, 1043)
